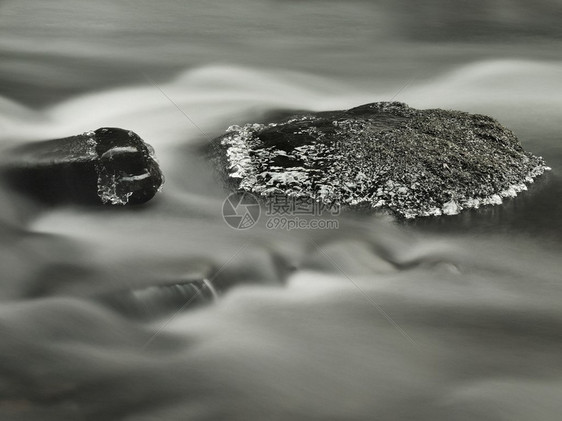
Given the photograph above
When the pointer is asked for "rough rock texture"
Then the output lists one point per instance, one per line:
(109, 165)
(381, 155)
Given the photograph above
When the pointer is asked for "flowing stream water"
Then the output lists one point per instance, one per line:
(449, 318)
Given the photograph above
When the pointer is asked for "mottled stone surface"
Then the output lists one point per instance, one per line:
(383, 155)
(109, 165)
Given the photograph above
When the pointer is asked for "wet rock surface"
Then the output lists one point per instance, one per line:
(160, 300)
(383, 155)
(109, 165)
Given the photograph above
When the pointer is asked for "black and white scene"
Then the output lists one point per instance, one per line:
(280, 210)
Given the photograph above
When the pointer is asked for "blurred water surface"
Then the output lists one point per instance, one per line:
(453, 318)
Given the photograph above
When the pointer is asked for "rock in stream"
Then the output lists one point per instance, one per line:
(109, 165)
(384, 155)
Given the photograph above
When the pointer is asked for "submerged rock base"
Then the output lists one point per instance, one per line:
(381, 155)
(109, 165)
(160, 300)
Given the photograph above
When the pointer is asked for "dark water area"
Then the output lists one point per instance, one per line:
(449, 318)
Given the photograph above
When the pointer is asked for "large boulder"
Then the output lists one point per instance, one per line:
(383, 155)
(109, 165)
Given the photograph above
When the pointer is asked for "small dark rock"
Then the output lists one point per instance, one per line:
(160, 300)
(109, 165)
(382, 155)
